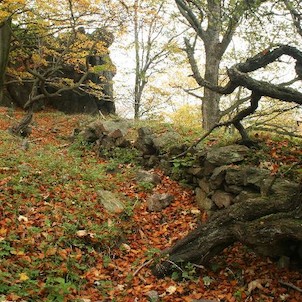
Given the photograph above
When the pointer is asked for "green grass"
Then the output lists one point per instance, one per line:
(47, 195)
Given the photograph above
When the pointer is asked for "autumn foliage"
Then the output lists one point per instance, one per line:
(57, 243)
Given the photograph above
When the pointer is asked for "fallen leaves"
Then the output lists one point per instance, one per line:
(22, 218)
(52, 227)
(23, 277)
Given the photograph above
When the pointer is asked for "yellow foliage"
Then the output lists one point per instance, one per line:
(23, 277)
(38, 60)
(187, 115)
(9, 7)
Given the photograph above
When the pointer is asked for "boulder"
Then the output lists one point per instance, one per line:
(195, 171)
(247, 176)
(208, 168)
(106, 135)
(217, 177)
(280, 188)
(93, 132)
(204, 185)
(149, 177)
(145, 141)
(222, 199)
(122, 125)
(117, 133)
(245, 195)
(166, 140)
(202, 200)
(227, 155)
(86, 99)
(233, 189)
(111, 201)
(158, 202)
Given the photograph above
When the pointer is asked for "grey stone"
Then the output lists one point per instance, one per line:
(227, 155)
(204, 185)
(217, 177)
(196, 171)
(235, 176)
(158, 202)
(202, 200)
(255, 176)
(144, 141)
(246, 176)
(146, 176)
(117, 133)
(110, 201)
(208, 168)
(281, 188)
(93, 132)
(166, 140)
(222, 199)
(122, 142)
(120, 125)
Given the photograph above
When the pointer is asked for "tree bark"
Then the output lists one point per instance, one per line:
(5, 36)
(271, 225)
(23, 128)
(216, 34)
(210, 103)
(211, 39)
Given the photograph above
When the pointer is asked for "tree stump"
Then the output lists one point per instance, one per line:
(22, 128)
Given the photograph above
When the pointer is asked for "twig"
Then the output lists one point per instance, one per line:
(227, 123)
(175, 265)
(291, 286)
(142, 278)
(142, 266)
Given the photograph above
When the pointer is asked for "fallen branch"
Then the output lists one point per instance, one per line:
(291, 286)
(142, 266)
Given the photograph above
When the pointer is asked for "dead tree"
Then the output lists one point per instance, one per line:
(271, 224)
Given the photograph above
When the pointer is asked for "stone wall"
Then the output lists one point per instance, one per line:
(220, 176)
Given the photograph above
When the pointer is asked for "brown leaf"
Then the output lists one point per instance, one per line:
(81, 233)
(255, 284)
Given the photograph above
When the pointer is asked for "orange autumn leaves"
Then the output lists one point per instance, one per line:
(54, 234)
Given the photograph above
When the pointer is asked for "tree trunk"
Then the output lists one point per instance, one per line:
(23, 128)
(212, 45)
(137, 95)
(210, 103)
(5, 36)
(271, 225)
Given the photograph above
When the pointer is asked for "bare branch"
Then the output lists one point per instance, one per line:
(187, 12)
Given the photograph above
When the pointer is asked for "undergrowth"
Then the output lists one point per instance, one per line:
(48, 196)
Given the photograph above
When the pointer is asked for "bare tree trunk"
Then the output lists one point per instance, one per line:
(210, 103)
(5, 36)
(23, 128)
(137, 95)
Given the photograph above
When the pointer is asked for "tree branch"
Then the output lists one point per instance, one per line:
(187, 12)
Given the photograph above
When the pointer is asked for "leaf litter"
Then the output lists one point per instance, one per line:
(58, 244)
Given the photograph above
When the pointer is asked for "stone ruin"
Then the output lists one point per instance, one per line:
(220, 176)
(226, 186)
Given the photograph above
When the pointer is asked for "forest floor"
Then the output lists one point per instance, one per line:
(57, 243)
